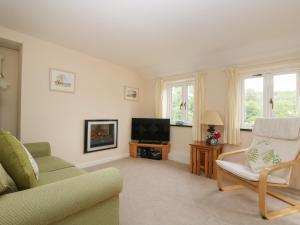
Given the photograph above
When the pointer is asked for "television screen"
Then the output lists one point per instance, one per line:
(147, 129)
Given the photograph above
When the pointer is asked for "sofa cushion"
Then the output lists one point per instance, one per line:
(51, 163)
(15, 161)
(6, 183)
(33, 163)
(57, 175)
(2, 131)
(31, 159)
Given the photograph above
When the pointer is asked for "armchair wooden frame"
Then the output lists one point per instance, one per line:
(261, 186)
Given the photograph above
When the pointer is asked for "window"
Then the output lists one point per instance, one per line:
(180, 102)
(269, 95)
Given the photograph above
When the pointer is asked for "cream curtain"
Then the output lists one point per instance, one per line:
(160, 99)
(232, 117)
(199, 107)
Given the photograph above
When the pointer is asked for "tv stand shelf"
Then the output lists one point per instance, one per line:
(133, 146)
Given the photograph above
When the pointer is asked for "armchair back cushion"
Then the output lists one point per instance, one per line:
(277, 128)
(266, 150)
(262, 154)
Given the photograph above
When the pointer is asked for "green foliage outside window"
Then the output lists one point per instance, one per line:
(182, 104)
(284, 105)
(253, 106)
(176, 101)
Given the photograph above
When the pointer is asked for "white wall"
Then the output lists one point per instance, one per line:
(9, 98)
(180, 138)
(59, 117)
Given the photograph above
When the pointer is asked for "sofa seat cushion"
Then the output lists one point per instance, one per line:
(51, 163)
(245, 172)
(57, 175)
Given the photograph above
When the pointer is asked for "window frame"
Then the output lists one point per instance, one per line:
(184, 84)
(268, 92)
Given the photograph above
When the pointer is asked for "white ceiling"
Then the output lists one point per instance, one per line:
(162, 37)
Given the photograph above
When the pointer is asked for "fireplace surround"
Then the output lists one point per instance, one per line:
(100, 135)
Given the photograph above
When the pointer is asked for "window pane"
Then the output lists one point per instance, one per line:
(253, 100)
(285, 95)
(190, 103)
(176, 107)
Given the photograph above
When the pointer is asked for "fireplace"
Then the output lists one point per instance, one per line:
(100, 135)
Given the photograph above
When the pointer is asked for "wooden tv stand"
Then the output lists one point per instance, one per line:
(165, 148)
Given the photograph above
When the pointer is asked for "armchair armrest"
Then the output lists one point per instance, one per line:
(38, 149)
(225, 154)
(52, 202)
(266, 171)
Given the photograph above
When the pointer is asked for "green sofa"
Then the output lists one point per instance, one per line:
(64, 195)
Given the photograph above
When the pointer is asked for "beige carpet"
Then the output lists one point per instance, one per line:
(165, 193)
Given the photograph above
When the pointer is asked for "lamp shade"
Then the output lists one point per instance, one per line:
(212, 118)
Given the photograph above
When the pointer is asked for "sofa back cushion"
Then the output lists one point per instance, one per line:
(15, 161)
(2, 131)
(7, 184)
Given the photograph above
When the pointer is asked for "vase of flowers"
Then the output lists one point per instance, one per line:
(213, 136)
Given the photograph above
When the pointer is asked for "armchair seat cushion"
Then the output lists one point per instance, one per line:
(245, 172)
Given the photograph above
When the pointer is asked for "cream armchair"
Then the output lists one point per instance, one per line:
(282, 136)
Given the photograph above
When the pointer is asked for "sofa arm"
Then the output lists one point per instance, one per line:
(38, 149)
(53, 202)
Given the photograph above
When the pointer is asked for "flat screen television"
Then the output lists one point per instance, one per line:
(150, 130)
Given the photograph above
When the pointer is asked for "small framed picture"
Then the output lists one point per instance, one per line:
(62, 81)
(131, 93)
(100, 135)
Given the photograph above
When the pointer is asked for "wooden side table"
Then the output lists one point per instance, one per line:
(203, 157)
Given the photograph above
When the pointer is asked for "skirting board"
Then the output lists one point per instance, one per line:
(101, 161)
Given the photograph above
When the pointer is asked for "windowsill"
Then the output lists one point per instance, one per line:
(246, 129)
(183, 125)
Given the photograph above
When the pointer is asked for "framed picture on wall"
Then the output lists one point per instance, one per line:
(62, 81)
(100, 135)
(131, 93)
